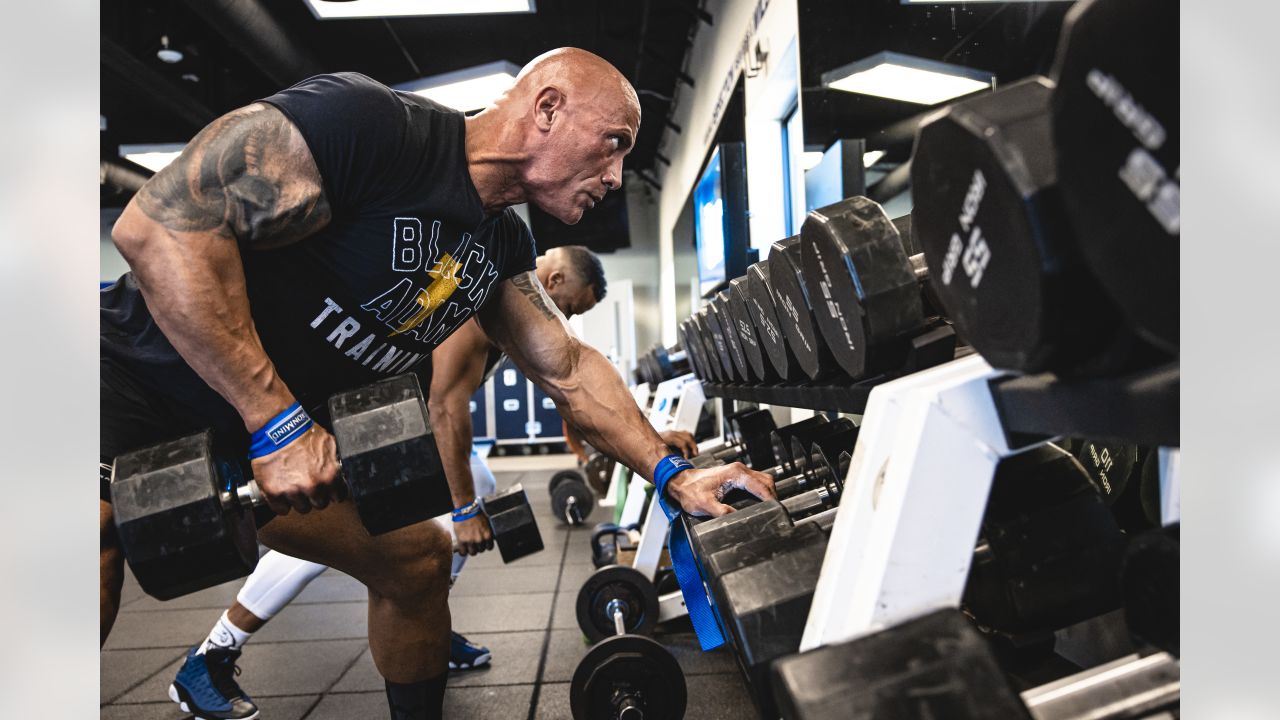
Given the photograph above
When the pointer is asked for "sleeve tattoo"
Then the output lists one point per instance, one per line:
(529, 286)
(249, 175)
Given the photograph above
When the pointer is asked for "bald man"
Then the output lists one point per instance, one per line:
(335, 234)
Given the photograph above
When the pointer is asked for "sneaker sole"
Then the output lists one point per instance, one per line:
(173, 695)
(479, 662)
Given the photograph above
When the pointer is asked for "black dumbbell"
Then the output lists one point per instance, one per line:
(661, 364)
(753, 346)
(571, 499)
(624, 675)
(793, 301)
(1049, 549)
(1002, 254)
(722, 329)
(718, 352)
(181, 511)
(1110, 466)
(692, 344)
(759, 296)
(940, 665)
(747, 436)
(867, 291)
(1116, 133)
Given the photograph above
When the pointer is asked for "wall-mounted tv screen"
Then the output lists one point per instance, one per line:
(720, 218)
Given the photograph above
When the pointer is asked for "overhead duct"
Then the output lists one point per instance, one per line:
(120, 177)
(151, 85)
(250, 29)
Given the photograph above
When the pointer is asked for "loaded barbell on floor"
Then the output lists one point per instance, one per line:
(571, 498)
(624, 675)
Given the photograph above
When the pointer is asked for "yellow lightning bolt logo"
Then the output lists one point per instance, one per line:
(445, 281)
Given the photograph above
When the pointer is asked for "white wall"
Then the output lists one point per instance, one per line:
(716, 59)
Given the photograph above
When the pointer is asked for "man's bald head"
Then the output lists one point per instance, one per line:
(576, 117)
(576, 69)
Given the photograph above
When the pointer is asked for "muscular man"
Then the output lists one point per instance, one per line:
(206, 683)
(334, 234)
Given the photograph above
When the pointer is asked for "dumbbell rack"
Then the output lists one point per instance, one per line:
(918, 482)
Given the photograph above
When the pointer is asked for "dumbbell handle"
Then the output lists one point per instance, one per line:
(918, 266)
(614, 608)
(248, 495)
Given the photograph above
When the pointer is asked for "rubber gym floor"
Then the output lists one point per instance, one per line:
(312, 660)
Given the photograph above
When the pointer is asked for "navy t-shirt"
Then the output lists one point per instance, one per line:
(407, 258)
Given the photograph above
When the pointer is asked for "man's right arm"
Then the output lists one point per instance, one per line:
(248, 179)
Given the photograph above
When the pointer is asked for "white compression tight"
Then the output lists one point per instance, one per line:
(279, 578)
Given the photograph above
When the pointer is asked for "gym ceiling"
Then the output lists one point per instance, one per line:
(236, 51)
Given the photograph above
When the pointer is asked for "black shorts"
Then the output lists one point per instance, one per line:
(133, 416)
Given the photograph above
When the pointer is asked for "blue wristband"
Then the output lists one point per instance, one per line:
(279, 431)
(466, 512)
(667, 468)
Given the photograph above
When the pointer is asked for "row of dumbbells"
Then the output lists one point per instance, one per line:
(1045, 228)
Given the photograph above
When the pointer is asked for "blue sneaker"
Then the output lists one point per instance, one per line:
(206, 686)
(466, 655)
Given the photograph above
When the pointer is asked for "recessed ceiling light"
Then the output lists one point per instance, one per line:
(167, 54)
(324, 10)
(472, 88)
(871, 158)
(811, 159)
(153, 157)
(907, 78)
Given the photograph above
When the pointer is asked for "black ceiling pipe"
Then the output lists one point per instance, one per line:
(149, 84)
(120, 177)
(891, 185)
(250, 29)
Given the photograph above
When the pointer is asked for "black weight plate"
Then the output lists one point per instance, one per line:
(1109, 466)
(703, 328)
(1000, 251)
(752, 346)
(720, 307)
(562, 476)
(712, 320)
(628, 670)
(576, 495)
(864, 291)
(693, 348)
(599, 471)
(791, 301)
(1116, 127)
(622, 583)
(765, 317)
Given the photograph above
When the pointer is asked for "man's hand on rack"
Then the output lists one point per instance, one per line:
(700, 491)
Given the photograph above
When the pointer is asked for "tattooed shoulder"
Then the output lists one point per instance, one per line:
(247, 174)
(528, 285)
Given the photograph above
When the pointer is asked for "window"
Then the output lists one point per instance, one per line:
(793, 170)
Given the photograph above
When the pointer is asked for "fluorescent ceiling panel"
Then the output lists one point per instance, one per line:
(324, 10)
(152, 157)
(907, 78)
(469, 89)
(811, 159)
(871, 158)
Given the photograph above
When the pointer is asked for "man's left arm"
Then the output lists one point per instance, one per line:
(590, 394)
(457, 370)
